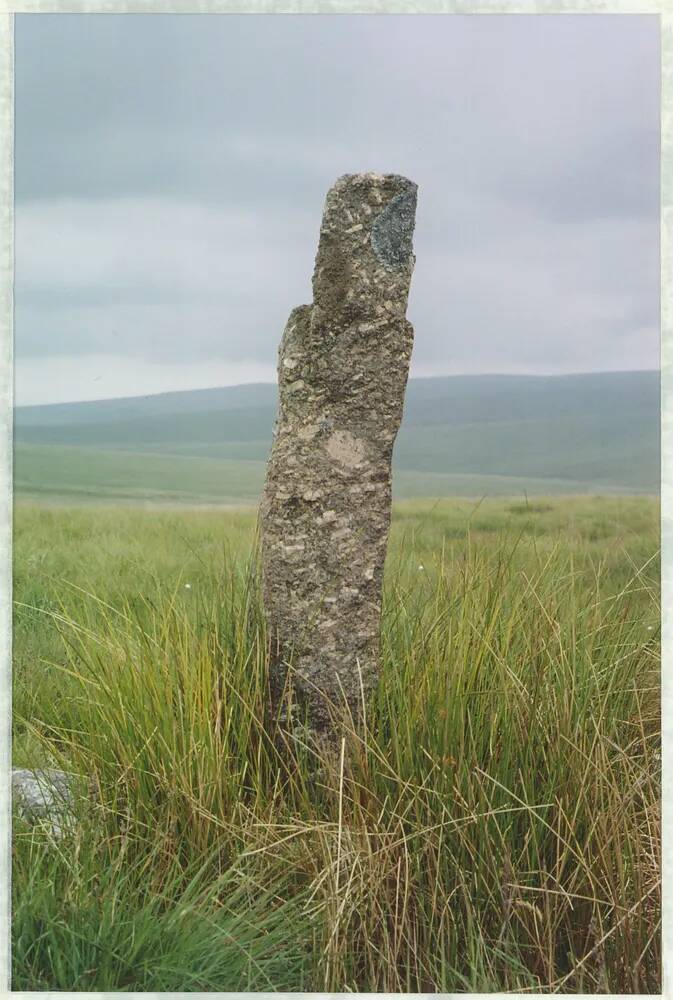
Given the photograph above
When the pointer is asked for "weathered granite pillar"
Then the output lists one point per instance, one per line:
(325, 512)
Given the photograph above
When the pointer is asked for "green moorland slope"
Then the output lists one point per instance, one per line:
(461, 436)
(493, 827)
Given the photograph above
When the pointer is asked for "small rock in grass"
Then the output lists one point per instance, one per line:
(46, 796)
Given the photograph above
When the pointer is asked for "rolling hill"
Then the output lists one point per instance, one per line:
(461, 436)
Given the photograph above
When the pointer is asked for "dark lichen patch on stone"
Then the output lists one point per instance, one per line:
(393, 230)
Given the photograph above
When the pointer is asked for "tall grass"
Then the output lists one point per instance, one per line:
(94, 914)
(493, 824)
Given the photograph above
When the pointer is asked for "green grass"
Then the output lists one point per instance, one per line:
(60, 473)
(495, 826)
(92, 915)
(89, 475)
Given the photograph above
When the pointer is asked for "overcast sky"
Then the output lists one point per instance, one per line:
(171, 172)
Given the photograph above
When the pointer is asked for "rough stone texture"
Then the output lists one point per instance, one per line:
(325, 512)
(44, 795)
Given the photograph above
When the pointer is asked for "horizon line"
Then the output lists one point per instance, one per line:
(412, 378)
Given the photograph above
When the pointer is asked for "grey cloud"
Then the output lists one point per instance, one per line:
(147, 104)
(171, 170)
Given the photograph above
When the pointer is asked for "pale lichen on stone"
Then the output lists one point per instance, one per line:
(325, 511)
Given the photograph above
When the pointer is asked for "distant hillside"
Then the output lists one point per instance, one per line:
(461, 435)
(165, 404)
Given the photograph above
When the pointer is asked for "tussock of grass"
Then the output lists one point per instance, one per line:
(100, 915)
(494, 825)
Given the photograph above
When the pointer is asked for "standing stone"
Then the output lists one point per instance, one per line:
(325, 513)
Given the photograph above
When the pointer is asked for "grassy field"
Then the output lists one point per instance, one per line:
(495, 435)
(494, 827)
(86, 475)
